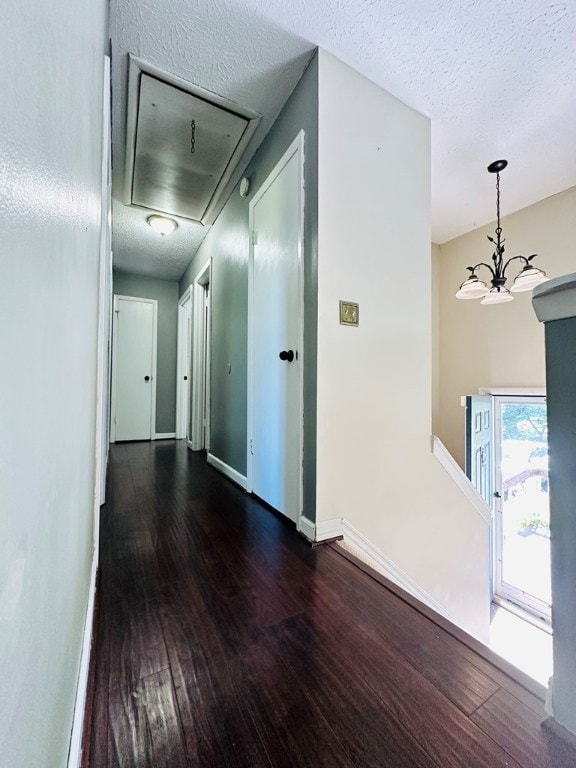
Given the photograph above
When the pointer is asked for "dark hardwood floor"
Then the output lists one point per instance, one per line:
(224, 639)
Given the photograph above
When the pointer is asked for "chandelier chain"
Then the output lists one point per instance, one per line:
(498, 228)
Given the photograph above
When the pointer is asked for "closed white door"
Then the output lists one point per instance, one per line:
(275, 390)
(134, 369)
(184, 366)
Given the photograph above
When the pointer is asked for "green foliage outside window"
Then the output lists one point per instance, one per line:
(525, 422)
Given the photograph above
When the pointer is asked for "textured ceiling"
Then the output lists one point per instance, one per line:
(497, 80)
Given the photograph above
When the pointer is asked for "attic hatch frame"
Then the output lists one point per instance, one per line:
(138, 67)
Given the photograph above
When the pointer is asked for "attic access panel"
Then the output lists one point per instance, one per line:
(183, 145)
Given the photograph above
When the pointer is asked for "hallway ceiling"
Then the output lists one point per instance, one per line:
(497, 80)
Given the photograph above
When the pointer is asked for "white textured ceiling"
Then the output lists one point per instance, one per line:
(497, 80)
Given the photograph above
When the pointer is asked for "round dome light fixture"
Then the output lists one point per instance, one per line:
(162, 224)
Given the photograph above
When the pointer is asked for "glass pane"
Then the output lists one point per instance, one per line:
(525, 506)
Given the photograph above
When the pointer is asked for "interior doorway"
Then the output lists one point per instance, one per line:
(521, 509)
(184, 365)
(199, 425)
(133, 411)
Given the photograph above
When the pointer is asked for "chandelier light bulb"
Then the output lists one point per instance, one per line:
(497, 296)
(473, 288)
(528, 279)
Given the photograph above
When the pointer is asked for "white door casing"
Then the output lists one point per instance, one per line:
(275, 395)
(207, 370)
(134, 369)
(502, 588)
(184, 364)
(200, 396)
(104, 311)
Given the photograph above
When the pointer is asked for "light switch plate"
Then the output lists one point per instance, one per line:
(349, 313)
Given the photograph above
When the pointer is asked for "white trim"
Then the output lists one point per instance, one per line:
(297, 146)
(207, 362)
(514, 391)
(452, 467)
(503, 589)
(154, 303)
(199, 436)
(183, 363)
(306, 528)
(329, 529)
(549, 703)
(75, 748)
(102, 441)
(225, 469)
(359, 546)
(136, 67)
(522, 613)
(164, 435)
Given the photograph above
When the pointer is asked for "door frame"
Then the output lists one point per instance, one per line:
(104, 311)
(199, 438)
(184, 364)
(296, 147)
(154, 302)
(528, 602)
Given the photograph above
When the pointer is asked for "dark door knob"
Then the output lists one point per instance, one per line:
(146, 378)
(185, 378)
(286, 355)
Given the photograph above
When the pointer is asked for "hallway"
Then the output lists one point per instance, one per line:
(224, 639)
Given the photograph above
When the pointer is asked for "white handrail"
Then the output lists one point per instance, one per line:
(451, 466)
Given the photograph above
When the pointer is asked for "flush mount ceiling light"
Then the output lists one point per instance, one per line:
(162, 224)
(529, 276)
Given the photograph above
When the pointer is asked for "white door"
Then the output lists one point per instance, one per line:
(479, 441)
(184, 363)
(134, 369)
(275, 378)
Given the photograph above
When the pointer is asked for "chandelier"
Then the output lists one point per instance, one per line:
(528, 277)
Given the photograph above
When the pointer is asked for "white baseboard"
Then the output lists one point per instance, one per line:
(230, 473)
(329, 529)
(164, 435)
(306, 528)
(549, 703)
(359, 546)
(75, 750)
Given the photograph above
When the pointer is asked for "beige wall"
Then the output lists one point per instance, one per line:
(500, 345)
(375, 467)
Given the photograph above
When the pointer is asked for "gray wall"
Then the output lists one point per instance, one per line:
(166, 292)
(51, 168)
(227, 245)
(561, 385)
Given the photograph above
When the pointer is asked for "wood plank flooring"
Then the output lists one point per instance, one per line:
(224, 639)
